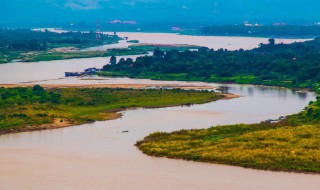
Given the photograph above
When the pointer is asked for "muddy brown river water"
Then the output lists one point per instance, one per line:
(99, 156)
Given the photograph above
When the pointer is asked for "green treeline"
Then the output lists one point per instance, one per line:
(23, 107)
(290, 145)
(293, 31)
(81, 54)
(15, 42)
(290, 65)
(29, 40)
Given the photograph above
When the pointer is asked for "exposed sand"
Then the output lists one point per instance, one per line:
(58, 123)
(136, 86)
(64, 49)
(230, 96)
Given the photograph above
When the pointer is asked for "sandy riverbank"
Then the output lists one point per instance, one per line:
(61, 123)
(135, 86)
(107, 115)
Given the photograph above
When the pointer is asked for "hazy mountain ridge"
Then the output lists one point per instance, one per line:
(205, 11)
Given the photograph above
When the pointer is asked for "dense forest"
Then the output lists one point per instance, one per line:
(291, 65)
(29, 40)
(15, 42)
(294, 31)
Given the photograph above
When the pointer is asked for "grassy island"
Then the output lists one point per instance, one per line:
(32, 46)
(80, 54)
(137, 49)
(290, 145)
(26, 109)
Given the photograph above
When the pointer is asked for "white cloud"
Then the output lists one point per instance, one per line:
(95, 4)
(185, 7)
(83, 4)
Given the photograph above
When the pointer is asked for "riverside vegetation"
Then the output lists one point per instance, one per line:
(291, 31)
(289, 65)
(81, 54)
(290, 145)
(32, 46)
(22, 43)
(24, 109)
(137, 49)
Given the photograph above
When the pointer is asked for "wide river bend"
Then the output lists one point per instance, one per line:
(98, 156)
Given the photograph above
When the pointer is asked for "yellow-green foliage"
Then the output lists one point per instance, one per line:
(291, 145)
(22, 107)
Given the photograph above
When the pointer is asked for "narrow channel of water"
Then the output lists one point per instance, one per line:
(47, 70)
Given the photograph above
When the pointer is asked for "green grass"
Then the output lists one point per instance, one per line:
(8, 57)
(152, 76)
(23, 107)
(80, 54)
(291, 145)
(46, 56)
(240, 79)
(249, 79)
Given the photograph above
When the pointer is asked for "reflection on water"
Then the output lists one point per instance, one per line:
(100, 156)
(302, 95)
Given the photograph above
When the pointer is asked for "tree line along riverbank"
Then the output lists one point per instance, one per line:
(24, 44)
(257, 30)
(27, 109)
(136, 49)
(27, 45)
(290, 65)
(290, 145)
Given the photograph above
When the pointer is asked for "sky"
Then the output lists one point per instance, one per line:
(192, 11)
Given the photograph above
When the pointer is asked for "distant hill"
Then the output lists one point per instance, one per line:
(281, 31)
(39, 12)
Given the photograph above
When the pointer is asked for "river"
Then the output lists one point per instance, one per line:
(100, 156)
(215, 42)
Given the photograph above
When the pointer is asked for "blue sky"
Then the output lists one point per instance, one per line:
(214, 11)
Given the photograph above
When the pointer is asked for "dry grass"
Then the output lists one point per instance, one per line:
(291, 145)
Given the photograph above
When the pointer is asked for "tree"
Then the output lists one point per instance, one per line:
(3, 51)
(113, 60)
(157, 53)
(203, 49)
(272, 41)
(310, 111)
(38, 90)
